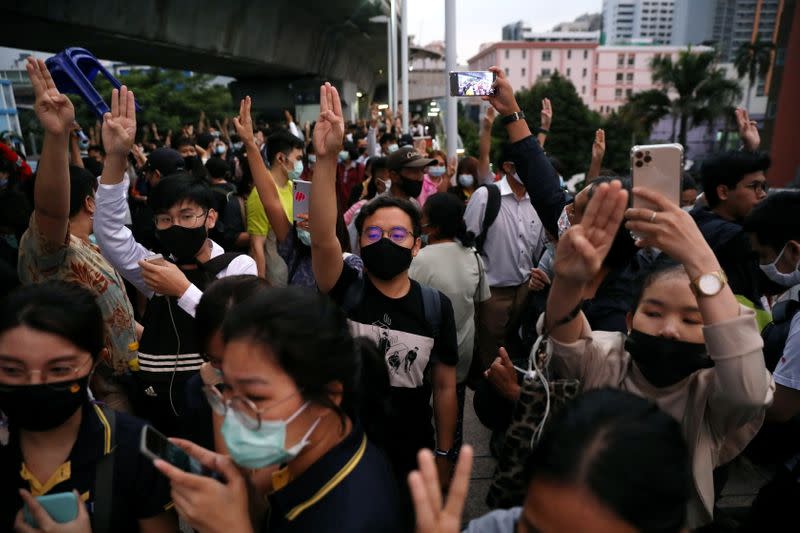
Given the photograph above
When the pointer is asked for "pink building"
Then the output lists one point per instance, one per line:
(603, 76)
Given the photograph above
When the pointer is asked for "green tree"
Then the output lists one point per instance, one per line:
(574, 124)
(753, 60)
(468, 131)
(643, 110)
(168, 98)
(697, 82)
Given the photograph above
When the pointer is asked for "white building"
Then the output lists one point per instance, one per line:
(638, 21)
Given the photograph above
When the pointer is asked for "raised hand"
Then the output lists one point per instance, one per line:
(503, 98)
(244, 122)
(670, 229)
(582, 249)
(599, 145)
(119, 126)
(748, 129)
(503, 377)
(329, 130)
(427, 495)
(547, 114)
(488, 118)
(53, 109)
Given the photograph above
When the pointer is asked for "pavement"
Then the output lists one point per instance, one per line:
(483, 468)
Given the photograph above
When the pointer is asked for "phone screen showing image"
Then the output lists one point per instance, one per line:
(470, 83)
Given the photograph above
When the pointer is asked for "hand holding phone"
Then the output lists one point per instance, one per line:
(155, 445)
(156, 259)
(60, 507)
(657, 167)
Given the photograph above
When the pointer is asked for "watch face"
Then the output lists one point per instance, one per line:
(709, 284)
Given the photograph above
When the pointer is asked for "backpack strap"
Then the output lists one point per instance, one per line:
(784, 311)
(104, 478)
(489, 216)
(216, 265)
(432, 307)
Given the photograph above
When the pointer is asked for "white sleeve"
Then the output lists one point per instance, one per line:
(787, 373)
(115, 240)
(476, 208)
(295, 131)
(244, 264)
(372, 142)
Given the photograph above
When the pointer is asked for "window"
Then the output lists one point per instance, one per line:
(631, 59)
(569, 54)
(629, 77)
(620, 59)
(617, 94)
(569, 71)
(507, 54)
(619, 77)
(524, 54)
(628, 93)
(506, 68)
(584, 73)
(594, 93)
(546, 55)
(586, 54)
(545, 72)
(583, 89)
(523, 72)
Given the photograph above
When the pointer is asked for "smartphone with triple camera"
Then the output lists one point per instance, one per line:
(657, 167)
(472, 83)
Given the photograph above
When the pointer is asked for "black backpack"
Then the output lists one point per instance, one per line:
(776, 332)
(489, 216)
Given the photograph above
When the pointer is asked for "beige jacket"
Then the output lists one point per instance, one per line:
(720, 409)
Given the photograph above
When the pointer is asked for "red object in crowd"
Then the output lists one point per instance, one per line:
(346, 179)
(22, 167)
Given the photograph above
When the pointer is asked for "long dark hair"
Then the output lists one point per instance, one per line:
(445, 212)
(309, 335)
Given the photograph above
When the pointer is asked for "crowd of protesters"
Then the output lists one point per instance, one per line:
(315, 365)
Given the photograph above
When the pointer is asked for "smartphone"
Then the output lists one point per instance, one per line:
(156, 446)
(302, 198)
(61, 506)
(467, 83)
(657, 167)
(157, 259)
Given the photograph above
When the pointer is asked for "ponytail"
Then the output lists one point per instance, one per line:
(445, 212)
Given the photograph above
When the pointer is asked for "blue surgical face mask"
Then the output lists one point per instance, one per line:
(312, 159)
(466, 180)
(219, 149)
(393, 148)
(92, 239)
(786, 280)
(238, 146)
(343, 156)
(304, 235)
(265, 446)
(295, 173)
(436, 171)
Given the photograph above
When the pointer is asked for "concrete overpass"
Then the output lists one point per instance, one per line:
(278, 50)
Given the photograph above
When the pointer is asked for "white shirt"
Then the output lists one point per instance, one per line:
(123, 252)
(515, 239)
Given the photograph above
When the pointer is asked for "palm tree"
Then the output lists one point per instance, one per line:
(695, 86)
(753, 60)
(721, 96)
(645, 109)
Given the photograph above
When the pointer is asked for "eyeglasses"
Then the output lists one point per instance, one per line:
(14, 373)
(186, 220)
(243, 409)
(397, 234)
(758, 186)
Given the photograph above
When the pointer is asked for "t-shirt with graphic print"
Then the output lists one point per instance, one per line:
(407, 341)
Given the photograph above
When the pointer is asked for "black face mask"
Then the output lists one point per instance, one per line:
(385, 259)
(410, 187)
(183, 243)
(664, 362)
(43, 407)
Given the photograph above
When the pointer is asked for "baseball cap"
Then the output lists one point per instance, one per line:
(407, 157)
(165, 160)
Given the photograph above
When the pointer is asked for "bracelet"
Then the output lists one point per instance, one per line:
(542, 130)
(566, 320)
(513, 117)
(449, 454)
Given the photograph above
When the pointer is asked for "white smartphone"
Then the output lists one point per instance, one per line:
(302, 199)
(156, 259)
(657, 167)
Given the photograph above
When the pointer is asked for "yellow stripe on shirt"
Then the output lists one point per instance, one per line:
(331, 484)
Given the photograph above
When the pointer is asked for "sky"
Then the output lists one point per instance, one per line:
(480, 21)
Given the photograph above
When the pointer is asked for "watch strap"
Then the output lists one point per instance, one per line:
(513, 117)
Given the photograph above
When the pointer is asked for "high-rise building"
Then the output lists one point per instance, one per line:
(739, 21)
(515, 31)
(638, 21)
(693, 21)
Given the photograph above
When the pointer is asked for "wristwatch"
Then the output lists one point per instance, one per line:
(709, 284)
(450, 454)
(513, 117)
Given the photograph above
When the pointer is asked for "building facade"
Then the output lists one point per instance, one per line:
(638, 21)
(739, 21)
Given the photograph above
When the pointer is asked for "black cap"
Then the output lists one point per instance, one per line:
(166, 160)
(407, 157)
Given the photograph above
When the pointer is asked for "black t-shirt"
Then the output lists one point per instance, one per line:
(139, 490)
(399, 328)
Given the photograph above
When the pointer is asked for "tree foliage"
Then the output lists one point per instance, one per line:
(168, 98)
(753, 61)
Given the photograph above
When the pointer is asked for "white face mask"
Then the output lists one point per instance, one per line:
(787, 280)
(466, 180)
